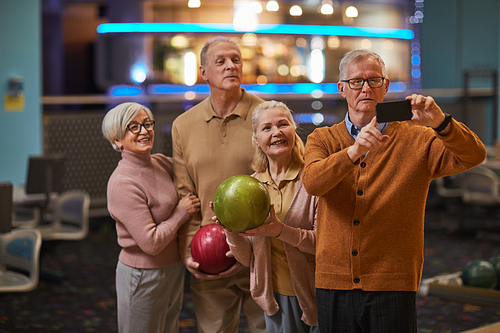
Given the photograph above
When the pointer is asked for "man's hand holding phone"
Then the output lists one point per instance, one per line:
(425, 112)
(415, 110)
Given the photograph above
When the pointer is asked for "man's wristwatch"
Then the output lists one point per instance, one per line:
(445, 123)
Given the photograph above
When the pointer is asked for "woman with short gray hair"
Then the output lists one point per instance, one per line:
(144, 203)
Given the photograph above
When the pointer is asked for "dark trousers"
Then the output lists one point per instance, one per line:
(358, 311)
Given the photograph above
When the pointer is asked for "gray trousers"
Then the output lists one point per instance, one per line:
(287, 319)
(149, 300)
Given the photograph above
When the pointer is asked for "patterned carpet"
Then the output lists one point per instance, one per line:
(84, 300)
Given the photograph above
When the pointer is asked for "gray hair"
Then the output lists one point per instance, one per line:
(356, 56)
(204, 50)
(114, 124)
(260, 162)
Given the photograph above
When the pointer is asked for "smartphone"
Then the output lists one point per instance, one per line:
(394, 111)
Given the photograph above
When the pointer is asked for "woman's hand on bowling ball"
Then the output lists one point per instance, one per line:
(191, 203)
(194, 268)
(215, 219)
(272, 227)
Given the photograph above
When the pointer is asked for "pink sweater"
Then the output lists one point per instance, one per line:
(143, 201)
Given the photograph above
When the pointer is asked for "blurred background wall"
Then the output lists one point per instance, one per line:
(20, 59)
(458, 35)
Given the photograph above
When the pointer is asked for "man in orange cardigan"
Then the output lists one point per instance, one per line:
(372, 182)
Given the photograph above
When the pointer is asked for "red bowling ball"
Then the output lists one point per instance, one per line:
(209, 247)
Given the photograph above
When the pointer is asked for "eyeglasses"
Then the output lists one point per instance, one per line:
(137, 128)
(373, 82)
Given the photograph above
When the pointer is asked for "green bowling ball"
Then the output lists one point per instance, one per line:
(495, 261)
(241, 202)
(479, 273)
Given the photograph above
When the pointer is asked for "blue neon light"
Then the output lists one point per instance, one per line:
(269, 88)
(315, 118)
(283, 29)
(416, 73)
(124, 90)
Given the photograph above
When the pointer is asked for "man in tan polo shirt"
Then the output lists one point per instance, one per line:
(211, 142)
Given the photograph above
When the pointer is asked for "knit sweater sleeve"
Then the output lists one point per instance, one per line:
(299, 229)
(326, 161)
(462, 151)
(241, 247)
(128, 205)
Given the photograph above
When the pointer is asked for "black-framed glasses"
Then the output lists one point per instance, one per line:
(136, 128)
(373, 82)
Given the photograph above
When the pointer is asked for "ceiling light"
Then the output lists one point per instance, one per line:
(326, 9)
(189, 95)
(295, 10)
(333, 42)
(245, 19)
(316, 66)
(249, 39)
(194, 3)
(190, 69)
(261, 79)
(179, 42)
(301, 42)
(366, 44)
(272, 6)
(283, 70)
(317, 43)
(256, 7)
(351, 11)
(138, 72)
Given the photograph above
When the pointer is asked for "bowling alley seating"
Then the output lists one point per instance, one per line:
(449, 187)
(69, 219)
(19, 260)
(481, 200)
(26, 216)
(43, 182)
(448, 198)
(480, 186)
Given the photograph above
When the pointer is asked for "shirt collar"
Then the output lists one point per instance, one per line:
(292, 173)
(241, 110)
(354, 129)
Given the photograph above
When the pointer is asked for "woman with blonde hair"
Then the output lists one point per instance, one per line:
(281, 252)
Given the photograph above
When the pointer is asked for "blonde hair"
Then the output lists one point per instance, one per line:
(260, 161)
(114, 124)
